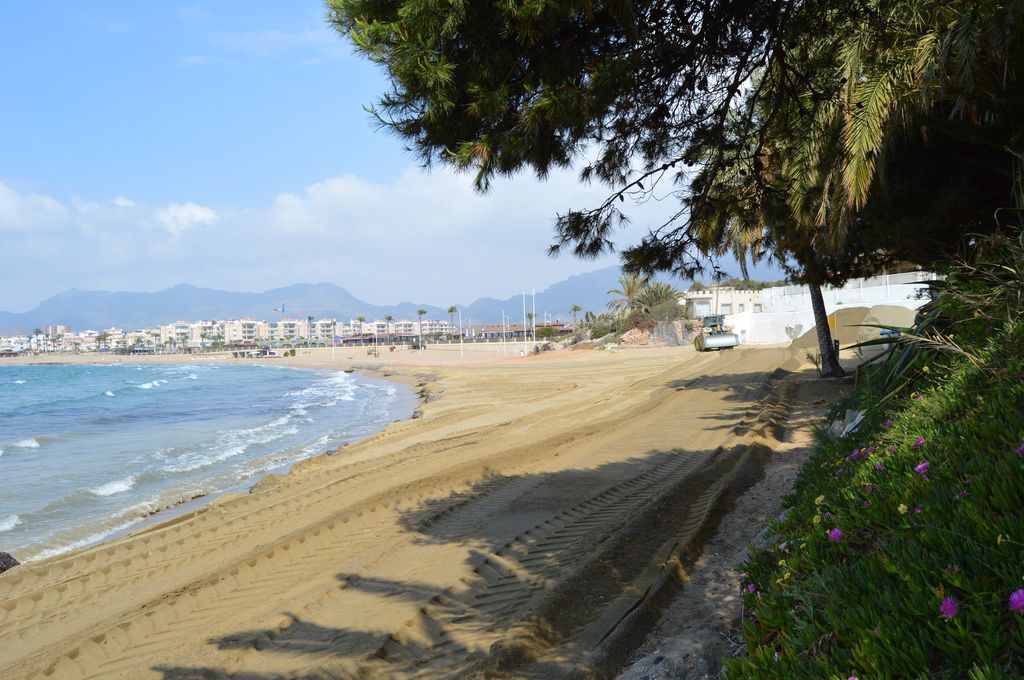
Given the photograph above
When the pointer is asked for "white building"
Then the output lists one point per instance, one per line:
(721, 300)
(786, 312)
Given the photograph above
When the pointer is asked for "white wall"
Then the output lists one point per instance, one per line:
(787, 309)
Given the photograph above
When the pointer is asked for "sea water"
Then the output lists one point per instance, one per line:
(88, 451)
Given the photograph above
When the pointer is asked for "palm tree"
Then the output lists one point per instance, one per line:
(361, 319)
(389, 318)
(309, 329)
(451, 320)
(420, 313)
(529, 323)
(657, 293)
(629, 290)
(574, 309)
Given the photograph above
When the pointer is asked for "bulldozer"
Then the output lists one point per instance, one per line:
(715, 335)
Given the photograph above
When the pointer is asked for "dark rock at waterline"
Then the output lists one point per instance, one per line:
(7, 562)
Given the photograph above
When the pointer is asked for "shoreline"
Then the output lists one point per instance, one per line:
(536, 495)
(406, 407)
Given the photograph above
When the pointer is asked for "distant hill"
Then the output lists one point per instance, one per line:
(81, 309)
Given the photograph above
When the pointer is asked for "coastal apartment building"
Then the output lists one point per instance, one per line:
(245, 331)
(721, 300)
(436, 327)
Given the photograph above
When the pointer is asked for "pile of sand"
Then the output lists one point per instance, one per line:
(855, 325)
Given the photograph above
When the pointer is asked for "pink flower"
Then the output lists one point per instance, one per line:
(948, 608)
(1017, 600)
(887, 423)
(751, 587)
(920, 440)
(835, 535)
(922, 467)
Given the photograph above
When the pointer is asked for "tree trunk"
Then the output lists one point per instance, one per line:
(830, 367)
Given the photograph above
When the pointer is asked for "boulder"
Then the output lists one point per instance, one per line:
(7, 562)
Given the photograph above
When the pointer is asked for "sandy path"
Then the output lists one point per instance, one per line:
(516, 512)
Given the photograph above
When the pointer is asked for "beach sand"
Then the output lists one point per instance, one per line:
(516, 527)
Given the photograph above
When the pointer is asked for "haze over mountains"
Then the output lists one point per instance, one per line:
(96, 310)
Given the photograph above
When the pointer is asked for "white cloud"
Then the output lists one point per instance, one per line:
(421, 237)
(28, 211)
(272, 42)
(84, 207)
(179, 217)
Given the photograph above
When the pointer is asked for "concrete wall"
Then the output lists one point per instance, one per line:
(787, 311)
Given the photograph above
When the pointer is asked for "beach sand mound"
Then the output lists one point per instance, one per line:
(854, 325)
(531, 523)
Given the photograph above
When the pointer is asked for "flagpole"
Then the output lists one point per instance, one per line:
(524, 323)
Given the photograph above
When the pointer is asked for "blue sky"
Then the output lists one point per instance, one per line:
(225, 144)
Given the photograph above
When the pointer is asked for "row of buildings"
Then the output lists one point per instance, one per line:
(188, 336)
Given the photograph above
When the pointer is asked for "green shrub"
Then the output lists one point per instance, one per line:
(927, 497)
(640, 321)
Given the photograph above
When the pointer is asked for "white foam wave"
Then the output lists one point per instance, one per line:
(149, 385)
(111, 488)
(19, 382)
(88, 540)
(191, 376)
(109, 393)
(233, 444)
(9, 522)
(30, 443)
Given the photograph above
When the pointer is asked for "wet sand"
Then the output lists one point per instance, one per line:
(512, 529)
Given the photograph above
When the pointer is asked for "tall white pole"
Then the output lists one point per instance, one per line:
(524, 323)
(461, 351)
(534, 322)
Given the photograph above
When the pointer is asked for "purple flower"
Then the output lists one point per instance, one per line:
(835, 535)
(855, 455)
(922, 467)
(1017, 600)
(828, 515)
(751, 587)
(1020, 450)
(920, 440)
(887, 423)
(879, 467)
(893, 449)
(949, 607)
(962, 495)
(918, 509)
(870, 449)
(951, 569)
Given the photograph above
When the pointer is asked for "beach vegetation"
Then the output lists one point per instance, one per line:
(899, 555)
(628, 294)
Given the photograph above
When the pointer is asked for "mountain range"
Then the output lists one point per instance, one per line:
(83, 309)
